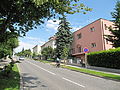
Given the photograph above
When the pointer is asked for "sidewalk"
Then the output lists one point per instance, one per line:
(93, 69)
(89, 67)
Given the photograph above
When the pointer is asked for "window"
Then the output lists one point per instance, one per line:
(93, 45)
(105, 27)
(79, 36)
(73, 50)
(92, 29)
(80, 49)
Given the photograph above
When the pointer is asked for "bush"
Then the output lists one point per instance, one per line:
(109, 58)
(50, 59)
(6, 71)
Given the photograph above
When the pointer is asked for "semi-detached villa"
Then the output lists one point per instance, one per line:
(51, 42)
(92, 37)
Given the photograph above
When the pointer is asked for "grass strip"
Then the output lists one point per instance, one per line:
(11, 83)
(96, 73)
(44, 61)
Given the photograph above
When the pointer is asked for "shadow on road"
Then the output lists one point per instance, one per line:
(30, 82)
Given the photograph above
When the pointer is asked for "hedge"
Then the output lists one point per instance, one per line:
(107, 58)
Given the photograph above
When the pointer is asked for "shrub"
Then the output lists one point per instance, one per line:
(109, 58)
(6, 71)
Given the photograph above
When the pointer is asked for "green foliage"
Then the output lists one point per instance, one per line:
(115, 37)
(63, 38)
(20, 16)
(26, 53)
(65, 53)
(12, 83)
(34, 55)
(109, 58)
(6, 48)
(47, 52)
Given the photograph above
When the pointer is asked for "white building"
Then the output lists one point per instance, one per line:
(37, 49)
(50, 43)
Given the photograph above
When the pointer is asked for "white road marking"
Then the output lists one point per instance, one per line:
(73, 82)
(42, 68)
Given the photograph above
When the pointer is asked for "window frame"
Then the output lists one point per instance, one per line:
(93, 45)
(79, 36)
(92, 29)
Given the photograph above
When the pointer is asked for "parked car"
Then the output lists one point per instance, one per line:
(21, 58)
(36, 58)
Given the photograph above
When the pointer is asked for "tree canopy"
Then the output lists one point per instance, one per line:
(115, 31)
(63, 38)
(20, 16)
(26, 53)
(47, 52)
(6, 48)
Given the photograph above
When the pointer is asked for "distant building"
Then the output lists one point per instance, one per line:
(37, 49)
(50, 43)
(91, 37)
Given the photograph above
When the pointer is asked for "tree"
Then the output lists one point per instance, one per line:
(115, 31)
(5, 51)
(13, 43)
(26, 53)
(47, 52)
(63, 38)
(6, 48)
(20, 16)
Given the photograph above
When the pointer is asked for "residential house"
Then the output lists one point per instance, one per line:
(50, 43)
(91, 38)
(37, 50)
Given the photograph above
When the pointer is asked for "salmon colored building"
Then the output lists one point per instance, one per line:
(92, 38)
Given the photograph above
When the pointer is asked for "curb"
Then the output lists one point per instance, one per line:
(21, 79)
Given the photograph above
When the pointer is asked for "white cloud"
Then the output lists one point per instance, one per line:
(52, 25)
(32, 38)
(35, 40)
(76, 28)
(55, 21)
(24, 45)
(29, 43)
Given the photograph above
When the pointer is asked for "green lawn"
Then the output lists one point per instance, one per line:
(12, 83)
(96, 73)
(44, 61)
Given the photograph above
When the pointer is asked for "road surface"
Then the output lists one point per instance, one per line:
(40, 76)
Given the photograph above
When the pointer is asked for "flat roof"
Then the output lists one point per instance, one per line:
(92, 23)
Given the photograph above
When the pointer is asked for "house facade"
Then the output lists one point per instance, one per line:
(50, 42)
(37, 50)
(91, 38)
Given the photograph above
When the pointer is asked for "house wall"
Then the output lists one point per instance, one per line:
(37, 49)
(50, 43)
(105, 24)
(90, 37)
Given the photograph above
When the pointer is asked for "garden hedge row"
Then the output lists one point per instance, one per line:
(109, 58)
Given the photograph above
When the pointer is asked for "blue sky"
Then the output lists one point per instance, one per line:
(101, 9)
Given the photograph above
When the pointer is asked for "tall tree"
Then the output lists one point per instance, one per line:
(63, 38)
(20, 16)
(115, 31)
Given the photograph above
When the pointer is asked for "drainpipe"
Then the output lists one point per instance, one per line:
(103, 41)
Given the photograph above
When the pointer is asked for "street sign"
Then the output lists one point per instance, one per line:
(86, 50)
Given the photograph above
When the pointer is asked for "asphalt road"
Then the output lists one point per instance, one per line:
(40, 76)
